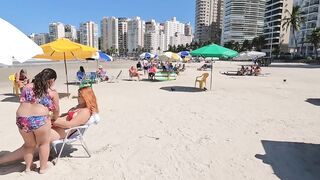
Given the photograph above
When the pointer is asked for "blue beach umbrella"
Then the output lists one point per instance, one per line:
(146, 55)
(105, 56)
(184, 54)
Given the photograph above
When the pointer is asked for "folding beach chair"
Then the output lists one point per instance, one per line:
(113, 79)
(75, 134)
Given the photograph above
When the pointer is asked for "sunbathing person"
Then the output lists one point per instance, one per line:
(257, 71)
(78, 115)
(102, 74)
(133, 72)
(204, 67)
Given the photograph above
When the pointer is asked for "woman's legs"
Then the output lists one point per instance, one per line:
(42, 136)
(28, 148)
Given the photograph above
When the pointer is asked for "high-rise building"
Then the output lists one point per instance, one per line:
(109, 33)
(209, 16)
(243, 20)
(310, 13)
(135, 39)
(172, 28)
(188, 29)
(162, 39)
(152, 36)
(277, 36)
(89, 34)
(70, 32)
(56, 30)
(40, 38)
(122, 34)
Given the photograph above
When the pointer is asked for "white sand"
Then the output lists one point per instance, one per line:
(246, 128)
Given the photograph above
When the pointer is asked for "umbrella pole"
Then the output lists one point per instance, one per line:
(211, 75)
(65, 67)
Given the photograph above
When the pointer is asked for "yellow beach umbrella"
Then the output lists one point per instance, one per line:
(170, 56)
(63, 50)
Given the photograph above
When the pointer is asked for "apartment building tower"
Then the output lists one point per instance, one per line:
(109, 33)
(243, 20)
(89, 34)
(208, 20)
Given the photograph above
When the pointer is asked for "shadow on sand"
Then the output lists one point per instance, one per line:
(15, 99)
(292, 160)
(181, 89)
(293, 65)
(13, 167)
(314, 101)
(19, 166)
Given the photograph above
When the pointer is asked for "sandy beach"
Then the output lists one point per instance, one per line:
(247, 127)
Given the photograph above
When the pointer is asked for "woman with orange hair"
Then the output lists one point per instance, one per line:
(76, 116)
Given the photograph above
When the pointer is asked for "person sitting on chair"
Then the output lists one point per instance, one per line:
(139, 65)
(81, 74)
(133, 72)
(102, 74)
(76, 116)
(152, 72)
(21, 79)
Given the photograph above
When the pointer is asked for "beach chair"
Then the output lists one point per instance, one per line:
(202, 80)
(113, 79)
(15, 87)
(73, 135)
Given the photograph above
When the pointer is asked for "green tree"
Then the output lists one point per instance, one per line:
(246, 45)
(314, 39)
(294, 21)
(259, 42)
(229, 44)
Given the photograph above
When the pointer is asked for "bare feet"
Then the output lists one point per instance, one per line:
(45, 170)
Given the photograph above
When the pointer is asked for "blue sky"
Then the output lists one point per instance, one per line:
(33, 16)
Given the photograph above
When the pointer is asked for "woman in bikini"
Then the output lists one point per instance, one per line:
(76, 116)
(37, 100)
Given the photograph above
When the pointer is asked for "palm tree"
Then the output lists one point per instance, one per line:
(294, 21)
(314, 39)
(258, 43)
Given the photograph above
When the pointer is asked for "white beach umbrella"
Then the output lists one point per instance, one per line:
(147, 55)
(15, 45)
(249, 55)
(170, 56)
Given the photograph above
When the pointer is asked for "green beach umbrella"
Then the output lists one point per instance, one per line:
(214, 51)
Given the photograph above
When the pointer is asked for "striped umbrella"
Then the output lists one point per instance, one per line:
(147, 55)
(170, 56)
(105, 56)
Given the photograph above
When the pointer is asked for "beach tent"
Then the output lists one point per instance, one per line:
(249, 55)
(170, 56)
(214, 51)
(15, 45)
(64, 50)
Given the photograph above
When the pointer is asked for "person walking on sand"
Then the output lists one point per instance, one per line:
(37, 100)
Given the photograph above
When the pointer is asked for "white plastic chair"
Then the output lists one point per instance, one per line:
(75, 134)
